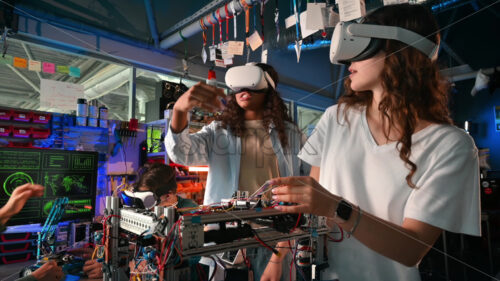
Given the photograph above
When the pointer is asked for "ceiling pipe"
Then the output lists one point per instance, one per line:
(208, 19)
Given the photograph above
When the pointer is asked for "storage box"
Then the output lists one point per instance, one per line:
(5, 114)
(5, 131)
(40, 133)
(22, 116)
(19, 132)
(42, 118)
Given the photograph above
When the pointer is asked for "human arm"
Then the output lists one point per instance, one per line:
(181, 146)
(274, 268)
(406, 243)
(93, 269)
(16, 202)
(47, 272)
(200, 95)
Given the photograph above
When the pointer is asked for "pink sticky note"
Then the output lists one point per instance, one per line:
(49, 67)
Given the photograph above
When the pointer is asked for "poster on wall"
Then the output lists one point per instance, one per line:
(59, 95)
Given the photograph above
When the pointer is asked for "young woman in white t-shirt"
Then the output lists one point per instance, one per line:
(389, 152)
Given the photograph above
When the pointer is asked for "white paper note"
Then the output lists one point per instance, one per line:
(212, 52)
(351, 9)
(255, 40)
(303, 22)
(235, 47)
(290, 21)
(315, 16)
(263, 56)
(220, 63)
(34, 65)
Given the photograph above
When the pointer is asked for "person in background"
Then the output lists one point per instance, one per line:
(252, 141)
(160, 179)
(388, 165)
(48, 271)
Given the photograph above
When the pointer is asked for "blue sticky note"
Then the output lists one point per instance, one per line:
(74, 71)
(314, 233)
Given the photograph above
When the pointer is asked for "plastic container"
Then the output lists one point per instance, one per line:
(6, 114)
(81, 108)
(5, 131)
(103, 113)
(42, 118)
(93, 111)
(92, 122)
(22, 116)
(211, 80)
(21, 132)
(40, 133)
(103, 123)
(81, 120)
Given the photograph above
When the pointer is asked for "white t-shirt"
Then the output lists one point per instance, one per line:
(372, 176)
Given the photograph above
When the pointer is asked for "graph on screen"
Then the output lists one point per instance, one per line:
(71, 174)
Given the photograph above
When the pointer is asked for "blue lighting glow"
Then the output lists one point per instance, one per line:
(309, 46)
(443, 4)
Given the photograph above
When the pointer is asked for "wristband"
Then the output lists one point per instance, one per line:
(356, 223)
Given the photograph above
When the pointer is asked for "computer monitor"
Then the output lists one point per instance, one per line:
(71, 174)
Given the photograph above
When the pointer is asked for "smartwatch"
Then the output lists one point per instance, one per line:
(343, 212)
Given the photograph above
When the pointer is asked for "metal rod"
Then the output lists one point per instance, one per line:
(132, 98)
(195, 27)
(152, 22)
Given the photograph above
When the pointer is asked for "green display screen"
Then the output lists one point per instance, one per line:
(71, 174)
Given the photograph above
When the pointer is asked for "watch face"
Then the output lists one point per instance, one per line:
(344, 210)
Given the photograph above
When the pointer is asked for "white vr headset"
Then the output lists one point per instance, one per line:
(248, 76)
(358, 41)
(139, 199)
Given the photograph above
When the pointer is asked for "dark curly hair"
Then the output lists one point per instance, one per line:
(414, 88)
(157, 177)
(275, 111)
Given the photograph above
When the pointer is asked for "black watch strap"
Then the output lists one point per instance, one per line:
(344, 210)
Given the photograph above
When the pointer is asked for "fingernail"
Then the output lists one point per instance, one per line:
(277, 208)
(274, 190)
(275, 197)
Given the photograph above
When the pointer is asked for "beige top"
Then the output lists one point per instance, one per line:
(258, 161)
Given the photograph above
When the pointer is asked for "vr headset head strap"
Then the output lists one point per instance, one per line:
(406, 36)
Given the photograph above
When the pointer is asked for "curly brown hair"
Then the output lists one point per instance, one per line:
(414, 88)
(275, 111)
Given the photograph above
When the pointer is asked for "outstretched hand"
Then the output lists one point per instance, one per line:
(19, 196)
(307, 195)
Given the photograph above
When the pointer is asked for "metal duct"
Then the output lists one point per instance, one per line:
(195, 27)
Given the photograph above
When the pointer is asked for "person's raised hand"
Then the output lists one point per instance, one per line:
(200, 95)
(18, 198)
(48, 272)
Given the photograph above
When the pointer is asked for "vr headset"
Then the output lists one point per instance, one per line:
(358, 41)
(147, 199)
(250, 77)
(139, 199)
